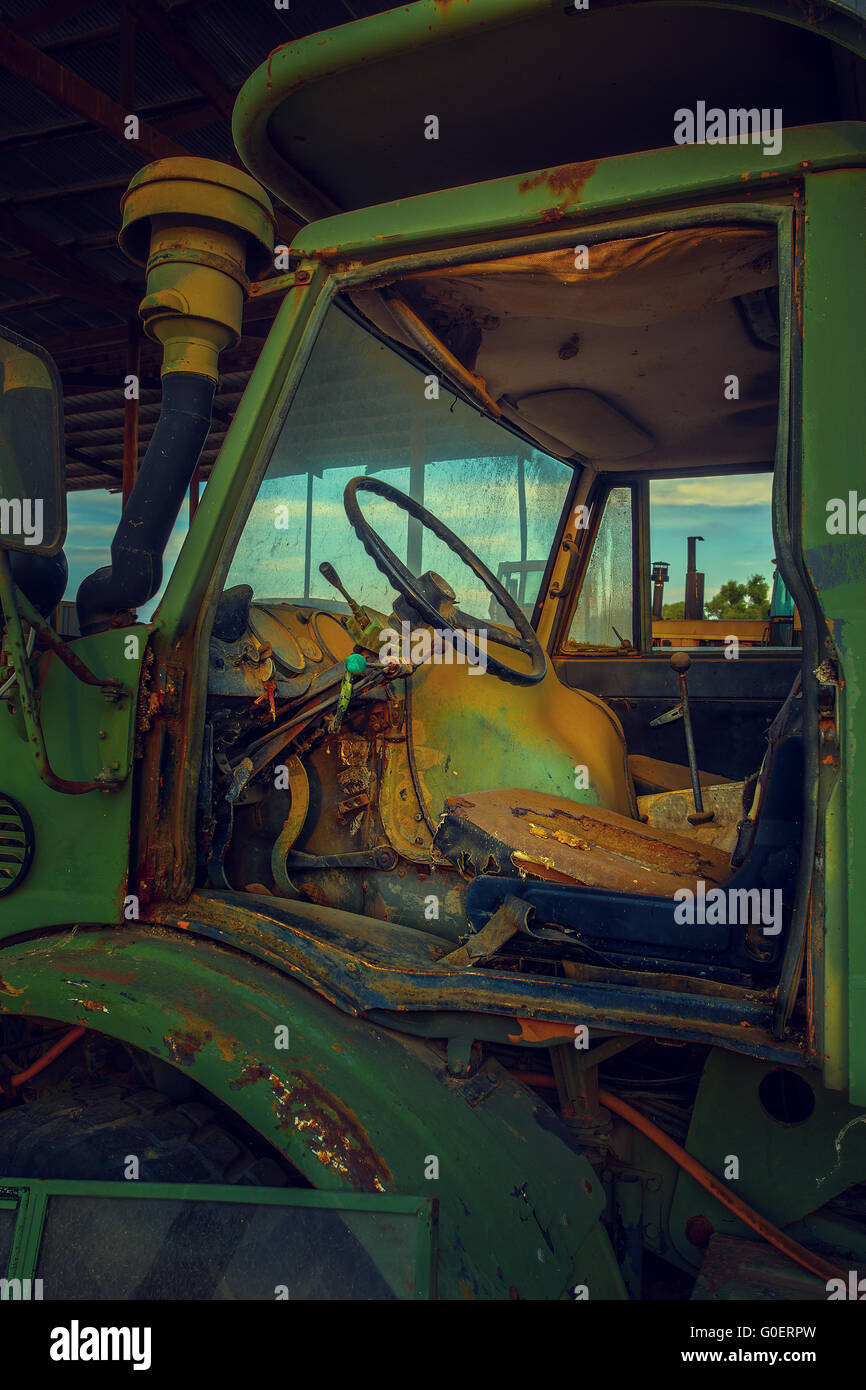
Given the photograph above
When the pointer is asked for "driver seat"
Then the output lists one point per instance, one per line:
(616, 884)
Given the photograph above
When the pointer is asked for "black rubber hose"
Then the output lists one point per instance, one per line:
(135, 572)
(41, 578)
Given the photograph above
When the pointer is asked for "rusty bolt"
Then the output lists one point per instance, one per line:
(302, 277)
(698, 1231)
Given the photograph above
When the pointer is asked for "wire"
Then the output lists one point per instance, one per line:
(410, 754)
(792, 1248)
(42, 1062)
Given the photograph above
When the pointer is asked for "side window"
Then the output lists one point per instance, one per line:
(713, 570)
(604, 613)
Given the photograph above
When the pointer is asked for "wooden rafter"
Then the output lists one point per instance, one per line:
(92, 286)
(66, 87)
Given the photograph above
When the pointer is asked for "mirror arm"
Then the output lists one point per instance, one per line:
(15, 604)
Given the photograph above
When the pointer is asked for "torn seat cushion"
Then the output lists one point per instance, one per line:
(562, 841)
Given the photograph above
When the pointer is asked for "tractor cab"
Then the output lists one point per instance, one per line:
(414, 528)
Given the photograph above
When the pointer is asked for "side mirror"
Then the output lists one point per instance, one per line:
(32, 482)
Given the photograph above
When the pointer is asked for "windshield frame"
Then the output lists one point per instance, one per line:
(457, 226)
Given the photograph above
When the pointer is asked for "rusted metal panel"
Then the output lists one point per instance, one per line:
(751, 1269)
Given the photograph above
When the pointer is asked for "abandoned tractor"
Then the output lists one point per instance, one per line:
(443, 877)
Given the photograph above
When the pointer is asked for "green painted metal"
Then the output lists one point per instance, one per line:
(31, 1197)
(81, 857)
(29, 1223)
(14, 606)
(787, 1168)
(282, 96)
(833, 430)
(351, 1106)
(573, 196)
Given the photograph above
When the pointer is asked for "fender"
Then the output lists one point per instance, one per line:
(350, 1105)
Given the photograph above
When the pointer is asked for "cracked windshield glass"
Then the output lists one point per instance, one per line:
(361, 409)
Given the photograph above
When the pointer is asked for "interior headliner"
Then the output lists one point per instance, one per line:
(620, 357)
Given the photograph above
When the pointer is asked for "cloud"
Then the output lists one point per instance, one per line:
(749, 490)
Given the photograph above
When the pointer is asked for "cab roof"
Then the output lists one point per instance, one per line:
(340, 119)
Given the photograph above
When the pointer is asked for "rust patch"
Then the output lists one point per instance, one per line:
(91, 1004)
(533, 1030)
(566, 183)
(115, 977)
(332, 1133)
(10, 989)
(314, 892)
(183, 1048)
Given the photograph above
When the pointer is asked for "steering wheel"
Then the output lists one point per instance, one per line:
(406, 584)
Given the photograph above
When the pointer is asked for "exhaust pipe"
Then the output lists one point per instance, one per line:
(693, 607)
(203, 230)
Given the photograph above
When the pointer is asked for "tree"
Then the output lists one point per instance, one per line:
(735, 600)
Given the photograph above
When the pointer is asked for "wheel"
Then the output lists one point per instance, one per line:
(87, 1133)
(174, 1245)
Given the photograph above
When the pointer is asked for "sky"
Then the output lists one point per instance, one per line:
(92, 519)
(733, 516)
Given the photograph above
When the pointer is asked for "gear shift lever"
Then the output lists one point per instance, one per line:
(680, 662)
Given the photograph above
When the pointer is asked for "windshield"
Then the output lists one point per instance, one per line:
(362, 409)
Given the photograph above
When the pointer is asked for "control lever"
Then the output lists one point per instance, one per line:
(680, 662)
(361, 626)
(356, 664)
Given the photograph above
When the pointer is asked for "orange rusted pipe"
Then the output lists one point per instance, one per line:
(42, 1062)
(792, 1248)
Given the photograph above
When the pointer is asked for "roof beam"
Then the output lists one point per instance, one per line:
(95, 465)
(25, 272)
(183, 54)
(66, 87)
(89, 383)
(166, 119)
(72, 190)
(98, 289)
